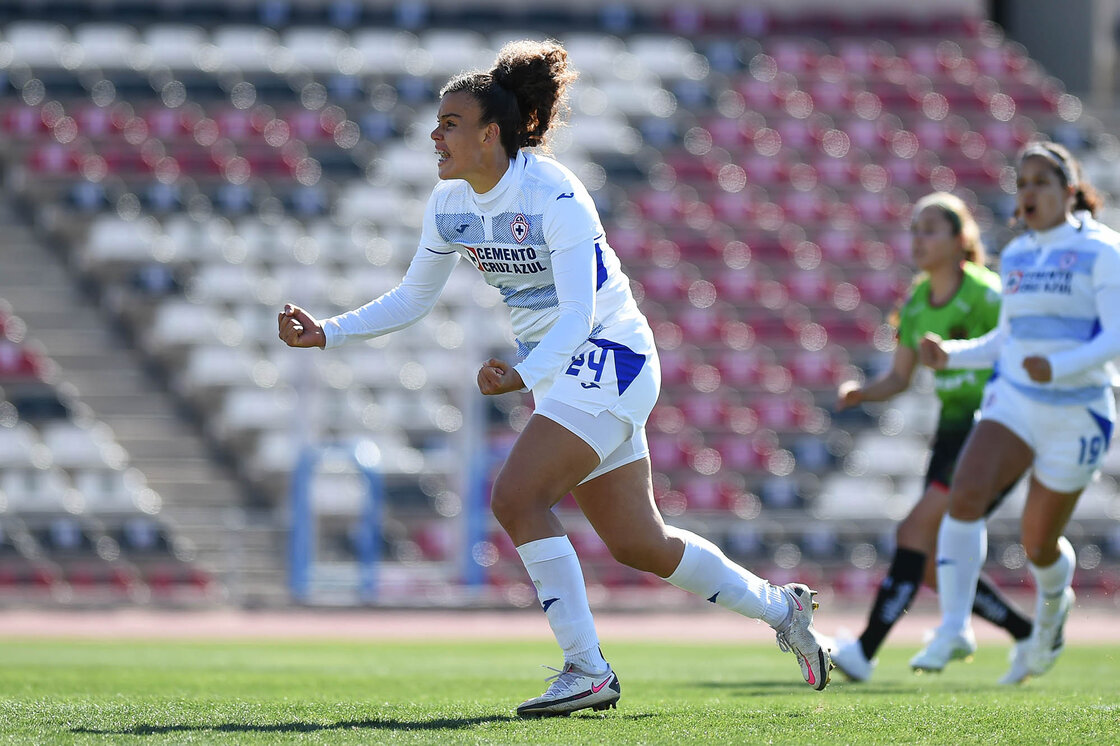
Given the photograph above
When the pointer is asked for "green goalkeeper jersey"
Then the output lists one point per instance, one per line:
(972, 312)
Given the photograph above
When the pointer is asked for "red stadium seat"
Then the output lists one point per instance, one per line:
(166, 124)
(95, 122)
(783, 412)
(669, 284)
(436, 539)
(740, 285)
(738, 207)
(677, 364)
(727, 132)
(23, 121)
(811, 286)
(713, 493)
(660, 206)
(702, 410)
(818, 369)
(19, 362)
(308, 125)
(702, 325)
(54, 159)
(745, 454)
(741, 369)
(795, 133)
(882, 288)
(671, 451)
(809, 206)
(833, 95)
(236, 124)
(851, 330)
(763, 169)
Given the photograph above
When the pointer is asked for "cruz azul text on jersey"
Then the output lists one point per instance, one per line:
(520, 261)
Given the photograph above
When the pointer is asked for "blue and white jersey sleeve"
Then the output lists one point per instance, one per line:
(1103, 347)
(1061, 296)
(408, 302)
(571, 228)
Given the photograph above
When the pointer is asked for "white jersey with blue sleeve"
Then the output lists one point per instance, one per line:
(1061, 301)
(537, 238)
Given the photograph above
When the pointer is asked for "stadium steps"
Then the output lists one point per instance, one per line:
(201, 498)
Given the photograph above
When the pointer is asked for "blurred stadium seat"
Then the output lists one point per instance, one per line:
(754, 168)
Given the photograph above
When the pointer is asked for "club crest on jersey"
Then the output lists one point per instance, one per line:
(1068, 260)
(520, 228)
(1014, 280)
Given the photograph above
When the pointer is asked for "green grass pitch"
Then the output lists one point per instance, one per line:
(450, 693)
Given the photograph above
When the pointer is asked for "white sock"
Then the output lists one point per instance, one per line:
(705, 571)
(1052, 582)
(962, 547)
(555, 571)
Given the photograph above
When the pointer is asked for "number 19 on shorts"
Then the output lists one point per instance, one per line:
(1091, 449)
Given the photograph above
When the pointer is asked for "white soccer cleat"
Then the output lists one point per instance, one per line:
(573, 689)
(1047, 636)
(848, 658)
(799, 637)
(1020, 670)
(944, 647)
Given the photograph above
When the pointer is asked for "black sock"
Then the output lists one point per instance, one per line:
(902, 583)
(992, 605)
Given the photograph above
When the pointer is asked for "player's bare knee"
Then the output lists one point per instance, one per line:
(635, 554)
(508, 505)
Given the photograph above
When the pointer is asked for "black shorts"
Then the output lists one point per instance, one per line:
(946, 449)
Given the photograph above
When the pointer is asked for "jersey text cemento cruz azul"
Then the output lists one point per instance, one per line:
(514, 235)
(1050, 286)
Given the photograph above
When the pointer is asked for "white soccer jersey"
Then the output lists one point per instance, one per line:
(537, 237)
(1061, 300)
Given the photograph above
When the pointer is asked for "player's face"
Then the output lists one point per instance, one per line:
(1042, 199)
(934, 244)
(460, 137)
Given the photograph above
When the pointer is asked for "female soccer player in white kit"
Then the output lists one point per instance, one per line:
(1049, 405)
(532, 230)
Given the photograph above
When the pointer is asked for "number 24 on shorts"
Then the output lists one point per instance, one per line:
(594, 360)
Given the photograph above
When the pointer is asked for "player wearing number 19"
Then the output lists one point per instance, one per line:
(1049, 408)
(957, 297)
(586, 352)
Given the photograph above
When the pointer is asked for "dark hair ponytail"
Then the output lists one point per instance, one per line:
(523, 93)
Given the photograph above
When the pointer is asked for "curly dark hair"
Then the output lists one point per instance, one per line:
(523, 93)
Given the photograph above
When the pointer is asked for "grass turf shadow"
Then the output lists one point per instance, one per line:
(300, 727)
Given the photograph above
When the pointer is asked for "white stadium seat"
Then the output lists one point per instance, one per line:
(384, 51)
(315, 48)
(246, 48)
(106, 45)
(37, 44)
(175, 45)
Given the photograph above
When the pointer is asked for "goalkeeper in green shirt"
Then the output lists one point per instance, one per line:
(954, 297)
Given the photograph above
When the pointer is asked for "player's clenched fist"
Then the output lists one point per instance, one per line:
(298, 328)
(930, 352)
(498, 377)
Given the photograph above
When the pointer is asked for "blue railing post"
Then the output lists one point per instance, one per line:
(301, 536)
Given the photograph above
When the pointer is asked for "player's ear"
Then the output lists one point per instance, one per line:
(492, 134)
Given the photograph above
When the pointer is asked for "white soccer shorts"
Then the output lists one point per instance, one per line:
(604, 396)
(1069, 440)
